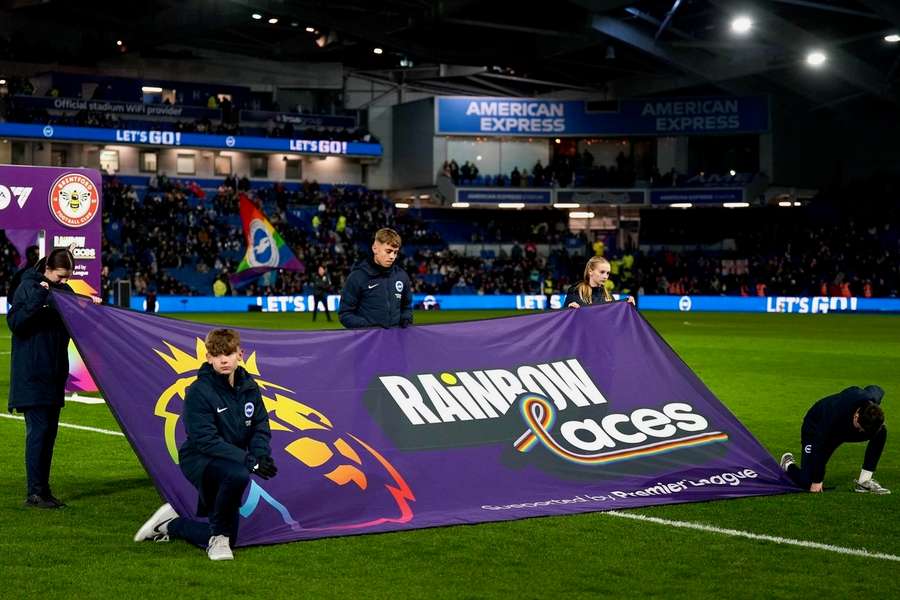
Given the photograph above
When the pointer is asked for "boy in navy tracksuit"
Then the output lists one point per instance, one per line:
(377, 292)
(227, 439)
(853, 415)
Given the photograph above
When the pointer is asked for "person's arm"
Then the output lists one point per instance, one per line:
(406, 311)
(200, 424)
(26, 305)
(874, 449)
(259, 445)
(572, 298)
(350, 304)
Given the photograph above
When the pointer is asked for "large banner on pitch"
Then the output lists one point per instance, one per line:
(382, 430)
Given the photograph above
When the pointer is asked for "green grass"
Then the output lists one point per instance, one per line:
(766, 368)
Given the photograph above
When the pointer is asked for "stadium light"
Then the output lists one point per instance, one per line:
(796, 204)
(735, 204)
(511, 205)
(401, 205)
(816, 58)
(151, 89)
(566, 205)
(581, 215)
(295, 24)
(557, 140)
(256, 16)
(377, 51)
(310, 30)
(460, 205)
(681, 205)
(892, 38)
(785, 203)
(741, 25)
(118, 42)
(273, 21)
(424, 196)
(2, 82)
(732, 172)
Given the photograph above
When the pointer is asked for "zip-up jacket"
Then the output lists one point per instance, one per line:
(374, 296)
(223, 422)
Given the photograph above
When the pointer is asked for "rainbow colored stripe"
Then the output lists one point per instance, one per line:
(247, 271)
(540, 414)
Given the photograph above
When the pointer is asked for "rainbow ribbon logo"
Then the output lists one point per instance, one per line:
(539, 414)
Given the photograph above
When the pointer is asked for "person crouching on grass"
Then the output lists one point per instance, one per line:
(227, 439)
(853, 415)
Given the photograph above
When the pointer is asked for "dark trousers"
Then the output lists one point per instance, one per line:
(224, 482)
(41, 425)
(323, 298)
(815, 456)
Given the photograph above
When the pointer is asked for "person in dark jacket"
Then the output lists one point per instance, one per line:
(592, 288)
(228, 437)
(32, 254)
(853, 415)
(40, 367)
(377, 292)
(321, 286)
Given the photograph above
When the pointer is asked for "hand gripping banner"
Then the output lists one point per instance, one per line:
(383, 430)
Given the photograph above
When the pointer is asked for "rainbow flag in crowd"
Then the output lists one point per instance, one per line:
(266, 249)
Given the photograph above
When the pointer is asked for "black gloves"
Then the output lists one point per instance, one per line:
(265, 467)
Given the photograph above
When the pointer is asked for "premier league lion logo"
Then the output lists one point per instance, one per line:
(317, 460)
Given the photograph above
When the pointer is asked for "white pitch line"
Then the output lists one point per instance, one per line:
(756, 536)
(71, 426)
(5, 352)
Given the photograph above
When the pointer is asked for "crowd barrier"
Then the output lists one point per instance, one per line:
(304, 303)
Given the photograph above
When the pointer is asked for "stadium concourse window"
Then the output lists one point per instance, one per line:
(148, 162)
(186, 164)
(109, 161)
(292, 168)
(223, 165)
(59, 158)
(259, 166)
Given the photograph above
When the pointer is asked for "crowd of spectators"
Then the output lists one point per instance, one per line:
(177, 227)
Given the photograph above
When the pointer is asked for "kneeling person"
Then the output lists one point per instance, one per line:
(227, 439)
(853, 415)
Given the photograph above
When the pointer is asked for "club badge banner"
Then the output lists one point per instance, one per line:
(384, 430)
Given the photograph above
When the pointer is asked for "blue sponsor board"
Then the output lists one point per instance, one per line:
(696, 195)
(190, 140)
(299, 120)
(601, 196)
(754, 304)
(122, 109)
(497, 195)
(464, 115)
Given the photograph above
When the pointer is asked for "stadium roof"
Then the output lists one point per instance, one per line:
(604, 48)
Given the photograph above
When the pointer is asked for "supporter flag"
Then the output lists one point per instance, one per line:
(395, 429)
(266, 249)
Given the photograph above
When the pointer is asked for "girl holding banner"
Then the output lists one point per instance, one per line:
(592, 289)
(40, 367)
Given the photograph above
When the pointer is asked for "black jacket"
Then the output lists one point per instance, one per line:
(375, 296)
(829, 423)
(223, 422)
(40, 342)
(321, 284)
(596, 298)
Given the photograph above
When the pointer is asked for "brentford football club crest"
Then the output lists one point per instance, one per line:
(74, 200)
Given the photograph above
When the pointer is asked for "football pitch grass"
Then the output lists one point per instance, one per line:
(767, 369)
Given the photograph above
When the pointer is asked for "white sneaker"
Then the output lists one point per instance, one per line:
(870, 487)
(787, 459)
(219, 548)
(157, 527)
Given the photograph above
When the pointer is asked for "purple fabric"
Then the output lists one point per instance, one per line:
(21, 239)
(352, 460)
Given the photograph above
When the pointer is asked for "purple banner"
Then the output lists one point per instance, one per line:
(384, 430)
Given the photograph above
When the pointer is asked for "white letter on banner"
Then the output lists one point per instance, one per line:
(537, 382)
(447, 406)
(506, 383)
(601, 439)
(408, 399)
(484, 393)
(573, 382)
